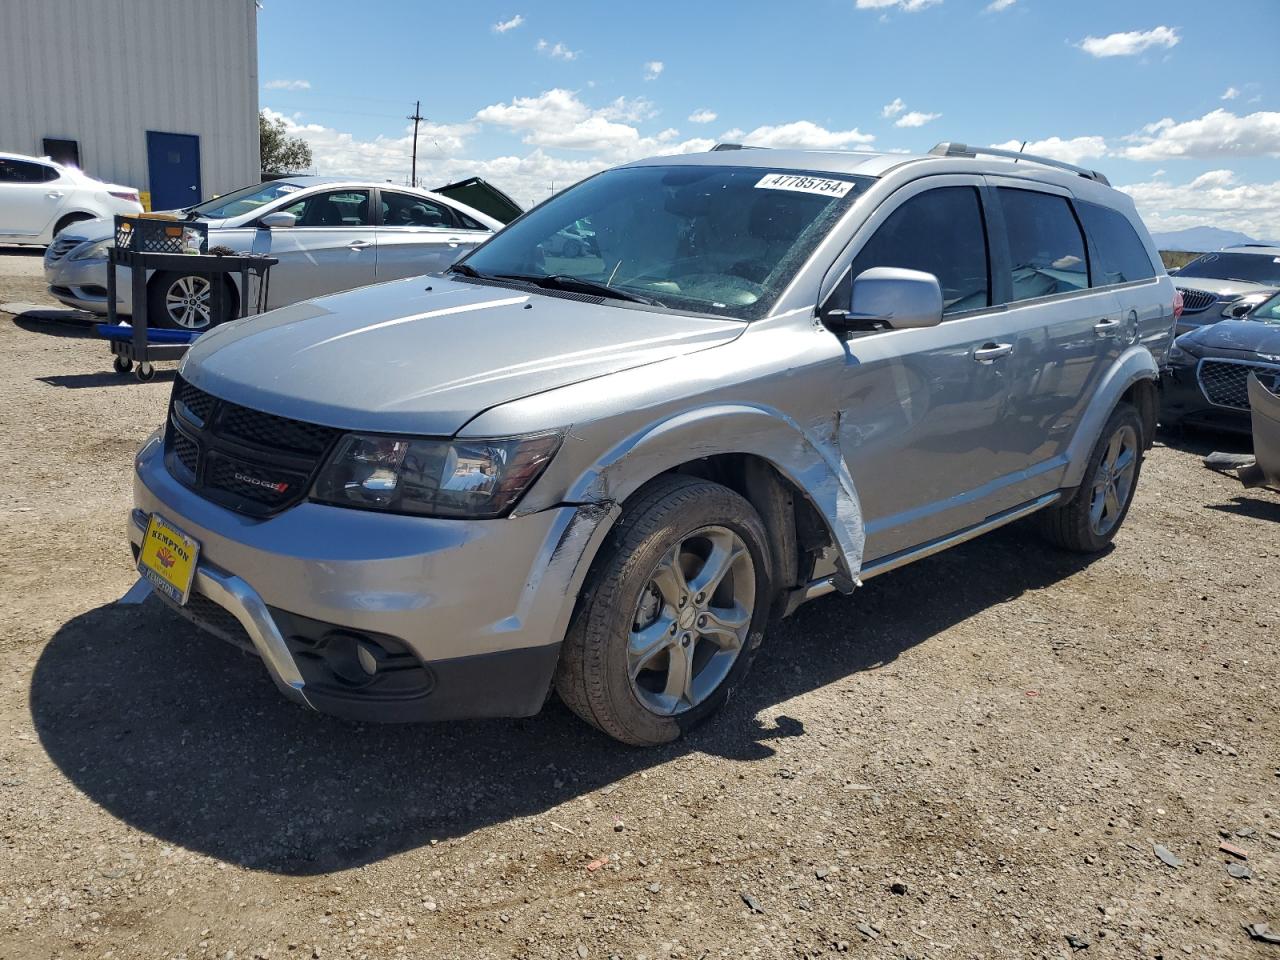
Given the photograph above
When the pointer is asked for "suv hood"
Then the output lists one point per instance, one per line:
(1233, 337)
(425, 355)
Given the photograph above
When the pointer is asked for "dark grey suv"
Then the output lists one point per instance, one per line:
(605, 468)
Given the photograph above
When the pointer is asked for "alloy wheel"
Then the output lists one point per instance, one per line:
(187, 302)
(692, 621)
(1113, 483)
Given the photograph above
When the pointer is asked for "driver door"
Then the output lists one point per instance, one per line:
(923, 414)
(332, 247)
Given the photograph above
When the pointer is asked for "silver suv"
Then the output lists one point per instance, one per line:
(604, 468)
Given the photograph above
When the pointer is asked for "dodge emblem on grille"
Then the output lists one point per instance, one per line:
(258, 482)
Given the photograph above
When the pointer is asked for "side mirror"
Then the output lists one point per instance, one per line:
(274, 221)
(892, 296)
(1172, 271)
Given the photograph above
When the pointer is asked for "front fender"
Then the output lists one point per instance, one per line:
(808, 457)
(1135, 364)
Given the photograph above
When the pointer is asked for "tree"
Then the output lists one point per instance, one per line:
(281, 153)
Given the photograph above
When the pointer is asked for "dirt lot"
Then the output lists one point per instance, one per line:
(972, 757)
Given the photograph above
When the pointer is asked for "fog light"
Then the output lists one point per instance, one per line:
(352, 659)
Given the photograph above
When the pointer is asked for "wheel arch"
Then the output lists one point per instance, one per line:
(795, 479)
(1133, 378)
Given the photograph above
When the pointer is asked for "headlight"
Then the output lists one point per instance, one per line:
(93, 251)
(1178, 355)
(477, 479)
(1238, 307)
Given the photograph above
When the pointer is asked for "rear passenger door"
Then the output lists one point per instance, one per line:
(1068, 332)
(418, 235)
(924, 413)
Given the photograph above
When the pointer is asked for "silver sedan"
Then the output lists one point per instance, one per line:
(328, 234)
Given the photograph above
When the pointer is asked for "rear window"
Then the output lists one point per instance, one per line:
(1121, 257)
(1046, 248)
(1249, 267)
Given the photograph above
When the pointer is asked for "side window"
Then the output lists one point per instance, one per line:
(940, 232)
(1121, 257)
(24, 171)
(336, 208)
(1046, 248)
(405, 210)
(469, 223)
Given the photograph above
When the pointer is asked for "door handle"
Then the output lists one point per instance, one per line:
(990, 352)
(55, 194)
(1106, 328)
(358, 244)
(454, 241)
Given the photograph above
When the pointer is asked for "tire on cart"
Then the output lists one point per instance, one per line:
(121, 365)
(146, 372)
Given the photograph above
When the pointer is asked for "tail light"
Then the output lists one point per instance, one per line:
(1177, 304)
(130, 195)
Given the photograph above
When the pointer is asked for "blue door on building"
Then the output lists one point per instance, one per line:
(173, 166)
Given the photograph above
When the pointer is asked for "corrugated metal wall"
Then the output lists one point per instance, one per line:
(104, 72)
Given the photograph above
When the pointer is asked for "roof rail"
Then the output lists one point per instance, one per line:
(948, 149)
(734, 146)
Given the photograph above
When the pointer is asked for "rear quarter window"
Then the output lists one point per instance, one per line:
(1120, 256)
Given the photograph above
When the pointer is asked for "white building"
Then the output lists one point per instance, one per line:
(161, 95)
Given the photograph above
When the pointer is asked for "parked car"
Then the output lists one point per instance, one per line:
(328, 233)
(38, 198)
(1226, 284)
(1207, 380)
(784, 373)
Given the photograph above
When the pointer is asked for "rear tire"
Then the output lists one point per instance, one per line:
(672, 614)
(1089, 521)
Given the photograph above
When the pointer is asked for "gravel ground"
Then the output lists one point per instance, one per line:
(971, 757)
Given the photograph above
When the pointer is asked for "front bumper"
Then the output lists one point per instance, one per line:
(476, 609)
(83, 284)
(1183, 401)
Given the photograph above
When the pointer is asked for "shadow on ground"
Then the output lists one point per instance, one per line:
(108, 378)
(185, 738)
(61, 327)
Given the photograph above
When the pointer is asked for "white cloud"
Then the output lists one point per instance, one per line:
(995, 6)
(894, 108)
(1218, 133)
(503, 26)
(1075, 150)
(288, 85)
(558, 118)
(907, 6)
(916, 119)
(1230, 94)
(702, 116)
(801, 135)
(1214, 198)
(557, 50)
(653, 69)
(1130, 43)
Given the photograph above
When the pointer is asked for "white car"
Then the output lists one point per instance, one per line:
(39, 197)
(328, 234)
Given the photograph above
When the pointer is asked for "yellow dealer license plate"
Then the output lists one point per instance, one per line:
(168, 559)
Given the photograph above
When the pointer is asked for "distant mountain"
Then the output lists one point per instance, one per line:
(1200, 239)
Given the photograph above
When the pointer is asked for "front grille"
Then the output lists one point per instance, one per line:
(60, 248)
(252, 462)
(1225, 383)
(1193, 301)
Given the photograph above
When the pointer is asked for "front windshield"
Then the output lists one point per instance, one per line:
(707, 239)
(245, 200)
(1251, 267)
(1268, 312)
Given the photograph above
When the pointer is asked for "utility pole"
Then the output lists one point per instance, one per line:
(416, 118)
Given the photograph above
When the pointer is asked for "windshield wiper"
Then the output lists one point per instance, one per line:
(466, 271)
(562, 281)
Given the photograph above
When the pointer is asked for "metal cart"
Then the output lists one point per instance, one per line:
(144, 244)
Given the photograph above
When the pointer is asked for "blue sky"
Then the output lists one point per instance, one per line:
(1170, 99)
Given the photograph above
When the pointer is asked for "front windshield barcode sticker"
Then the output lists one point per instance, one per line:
(801, 184)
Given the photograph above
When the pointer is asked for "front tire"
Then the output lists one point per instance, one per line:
(180, 301)
(672, 614)
(1089, 521)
